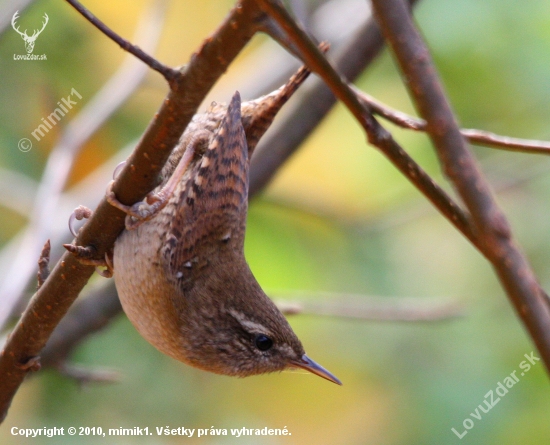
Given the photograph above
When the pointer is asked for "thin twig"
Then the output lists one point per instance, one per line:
(489, 139)
(51, 302)
(459, 164)
(362, 307)
(479, 137)
(94, 312)
(167, 72)
(84, 375)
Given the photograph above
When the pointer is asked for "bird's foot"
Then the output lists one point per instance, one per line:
(153, 203)
(85, 254)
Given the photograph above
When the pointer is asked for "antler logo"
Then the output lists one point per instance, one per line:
(29, 40)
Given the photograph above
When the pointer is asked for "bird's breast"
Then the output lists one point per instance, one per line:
(145, 291)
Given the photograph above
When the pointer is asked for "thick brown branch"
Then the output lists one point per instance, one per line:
(459, 164)
(479, 137)
(54, 298)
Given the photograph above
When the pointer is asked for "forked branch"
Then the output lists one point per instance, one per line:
(457, 161)
(487, 227)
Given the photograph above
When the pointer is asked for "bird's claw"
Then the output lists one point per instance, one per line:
(81, 212)
(139, 212)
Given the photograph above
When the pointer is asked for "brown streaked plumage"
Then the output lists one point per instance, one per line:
(181, 273)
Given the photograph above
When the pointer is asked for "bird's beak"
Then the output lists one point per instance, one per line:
(309, 365)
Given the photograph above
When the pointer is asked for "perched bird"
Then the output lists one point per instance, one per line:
(179, 266)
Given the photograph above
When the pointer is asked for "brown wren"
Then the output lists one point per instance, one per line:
(179, 266)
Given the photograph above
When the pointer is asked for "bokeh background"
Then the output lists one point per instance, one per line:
(337, 218)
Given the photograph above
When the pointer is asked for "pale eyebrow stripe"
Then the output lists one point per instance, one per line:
(249, 325)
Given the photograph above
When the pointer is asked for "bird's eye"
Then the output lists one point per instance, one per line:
(263, 342)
